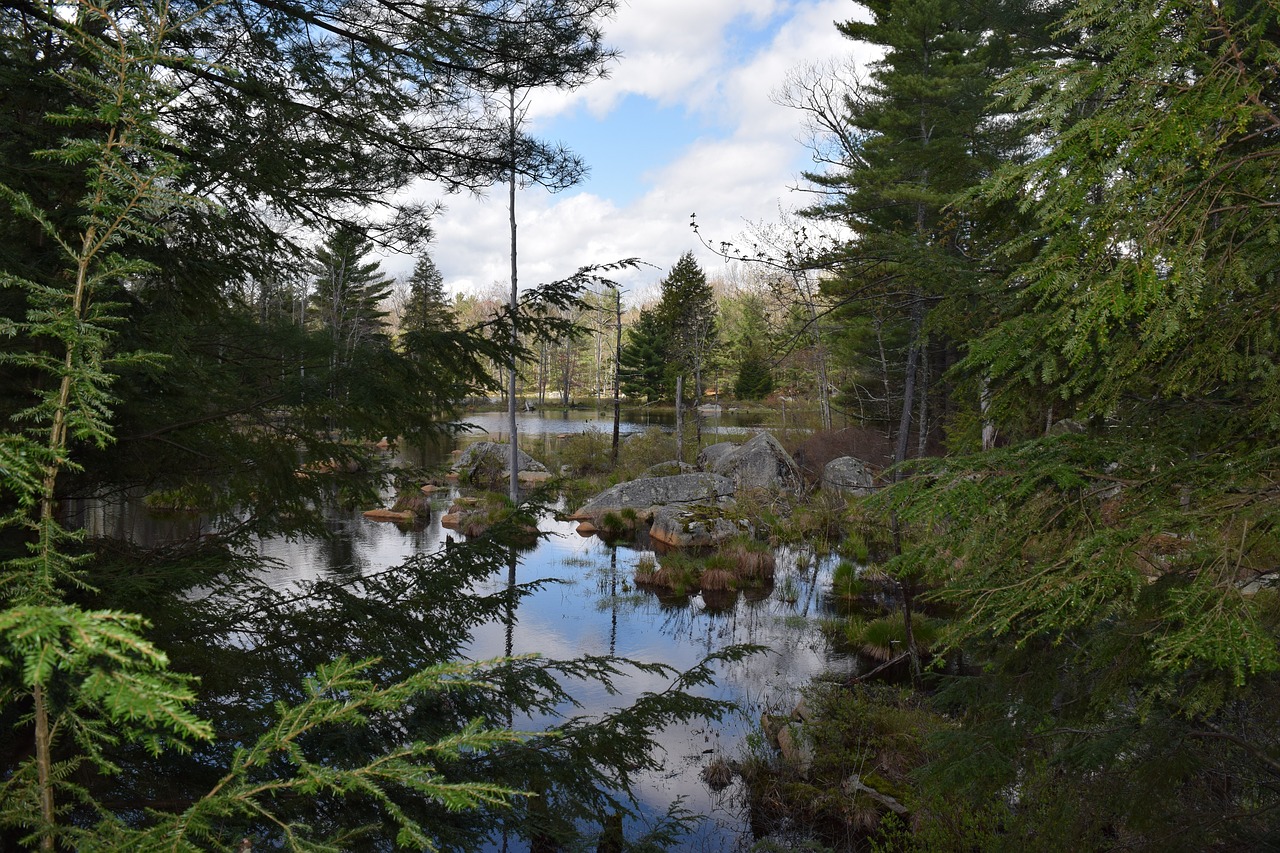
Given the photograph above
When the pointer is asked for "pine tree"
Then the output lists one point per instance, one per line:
(1110, 578)
(643, 361)
(428, 307)
(348, 296)
(687, 311)
(904, 148)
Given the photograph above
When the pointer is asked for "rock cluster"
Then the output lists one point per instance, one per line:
(693, 507)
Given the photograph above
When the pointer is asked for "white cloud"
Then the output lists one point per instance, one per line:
(676, 52)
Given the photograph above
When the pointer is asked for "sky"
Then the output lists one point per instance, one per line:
(684, 124)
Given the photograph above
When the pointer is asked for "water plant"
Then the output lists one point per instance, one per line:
(846, 582)
(754, 562)
(646, 568)
(788, 591)
(884, 638)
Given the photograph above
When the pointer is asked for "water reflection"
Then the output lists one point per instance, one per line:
(588, 605)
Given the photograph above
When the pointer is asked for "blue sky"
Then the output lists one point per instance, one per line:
(684, 123)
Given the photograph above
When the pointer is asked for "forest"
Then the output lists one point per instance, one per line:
(1036, 262)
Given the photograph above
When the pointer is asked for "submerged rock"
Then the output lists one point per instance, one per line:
(389, 515)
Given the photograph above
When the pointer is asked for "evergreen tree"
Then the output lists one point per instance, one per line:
(755, 378)
(687, 313)
(348, 296)
(1111, 577)
(428, 307)
(903, 149)
(643, 360)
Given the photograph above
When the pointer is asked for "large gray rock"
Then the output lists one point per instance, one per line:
(709, 455)
(680, 527)
(485, 460)
(646, 495)
(760, 464)
(848, 474)
(669, 469)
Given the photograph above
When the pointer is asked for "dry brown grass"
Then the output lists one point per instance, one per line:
(751, 563)
(663, 577)
(715, 580)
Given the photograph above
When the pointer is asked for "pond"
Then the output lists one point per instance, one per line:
(716, 421)
(591, 606)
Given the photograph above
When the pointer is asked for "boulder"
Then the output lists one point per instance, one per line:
(849, 475)
(795, 746)
(760, 464)
(708, 455)
(414, 502)
(646, 495)
(669, 469)
(389, 515)
(679, 527)
(487, 460)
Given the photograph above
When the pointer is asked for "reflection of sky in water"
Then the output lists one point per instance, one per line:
(595, 610)
(583, 615)
(553, 421)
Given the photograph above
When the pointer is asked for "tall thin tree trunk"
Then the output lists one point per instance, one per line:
(617, 359)
(988, 428)
(514, 483)
(680, 418)
(697, 405)
(820, 356)
(884, 375)
(909, 383)
(568, 369)
(922, 430)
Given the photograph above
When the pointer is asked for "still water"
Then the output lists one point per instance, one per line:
(591, 607)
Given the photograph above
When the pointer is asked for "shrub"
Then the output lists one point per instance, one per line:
(644, 450)
(587, 452)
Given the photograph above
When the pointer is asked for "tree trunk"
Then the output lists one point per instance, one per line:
(617, 356)
(514, 482)
(988, 428)
(922, 430)
(884, 376)
(680, 418)
(909, 383)
(697, 405)
(566, 395)
(820, 357)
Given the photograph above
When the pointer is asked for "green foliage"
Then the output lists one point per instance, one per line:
(640, 451)
(642, 363)
(341, 695)
(845, 582)
(687, 312)
(428, 306)
(348, 293)
(755, 378)
(877, 732)
(587, 452)
(673, 338)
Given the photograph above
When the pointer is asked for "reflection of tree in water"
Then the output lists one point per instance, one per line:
(338, 552)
